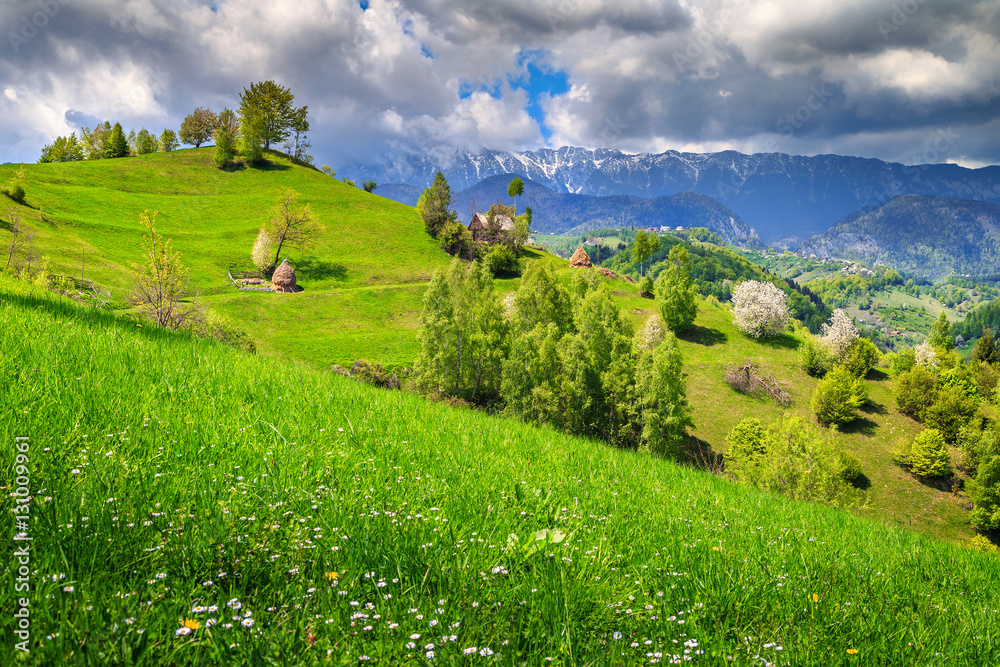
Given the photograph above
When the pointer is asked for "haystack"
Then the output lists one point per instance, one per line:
(283, 279)
(580, 259)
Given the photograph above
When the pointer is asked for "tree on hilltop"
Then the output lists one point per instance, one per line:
(434, 206)
(515, 190)
(268, 107)
(198, 126)
(117, 144)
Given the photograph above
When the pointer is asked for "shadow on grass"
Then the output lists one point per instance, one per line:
(233, 166)
(872, 408)
(320, 269)
(861, 482)
(860, 425)
(783, 342)
(877, 375)
(704, 336)
(697, 453)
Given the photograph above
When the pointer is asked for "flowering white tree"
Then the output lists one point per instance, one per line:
(926, 355)
(759, 309)
(651, 334)
(839, 334)
(262, 249)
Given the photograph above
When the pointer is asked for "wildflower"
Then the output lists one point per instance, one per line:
(191, 624)
(815, 598)
(210, 622)
(333, 576)
(415, 636)
(470, 651)
(183, 632)
(247, 622)
(852, 651)
(68, 589)
(616, 635)
(234, 604)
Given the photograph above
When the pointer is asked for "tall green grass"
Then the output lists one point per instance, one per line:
(176, 479)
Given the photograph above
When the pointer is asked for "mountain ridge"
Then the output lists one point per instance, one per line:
(779, 195)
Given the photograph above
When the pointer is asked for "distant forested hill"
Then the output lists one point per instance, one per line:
(928, 236)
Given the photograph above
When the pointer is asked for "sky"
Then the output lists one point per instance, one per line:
(911, 81)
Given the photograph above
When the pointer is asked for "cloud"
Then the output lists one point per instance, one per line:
(858, 76)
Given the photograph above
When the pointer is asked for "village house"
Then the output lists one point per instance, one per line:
(480, 229)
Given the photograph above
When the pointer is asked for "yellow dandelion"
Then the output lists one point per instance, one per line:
(190, 624)
(852, 651)
(815, 597)
(715, 548)
(332, 576)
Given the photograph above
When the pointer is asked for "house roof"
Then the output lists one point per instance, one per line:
(479, 222)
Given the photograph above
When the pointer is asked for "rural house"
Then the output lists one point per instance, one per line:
(480, 229)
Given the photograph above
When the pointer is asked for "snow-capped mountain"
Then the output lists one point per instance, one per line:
(781, 196)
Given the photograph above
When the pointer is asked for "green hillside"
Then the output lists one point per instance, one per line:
(319, 521)
(366, 265)
(367, 305)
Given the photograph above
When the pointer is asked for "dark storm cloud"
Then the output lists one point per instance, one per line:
(868, 77)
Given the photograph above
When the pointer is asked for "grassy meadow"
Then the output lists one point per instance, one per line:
(196, 505)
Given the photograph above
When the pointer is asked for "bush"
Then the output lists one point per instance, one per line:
(223, 330)
(982, 543)
(501, 260)
(986, 378)
(902, 362)
(951, 410)
(861, 357)
(916, 390)
(646, 286)
(747, 447)
(370, 373)
(816, 357)
(927, 455)
(849, 466)
(790, 457)
(760, 309)
(838, 397)
(15, 186)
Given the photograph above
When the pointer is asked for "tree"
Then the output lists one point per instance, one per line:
(94, 142)
(261, 253)
(940, 335)
(227, 120)
(369, 186)
(817, 359)
(927, 456)
(251, 140)
(925, 355)
(20, 236)
(198, 126)
(434, 206)
(297, 144)
(645, 246)
(515, 190)
(661, 391)
(951, 410)
(985, 494)
(270, 107)
(291, 224)
(63, 149)
(760, 309)
(861, 357)
(168, 141)
(747, 447)
(145, 142)
(839, 334)
(675, 292)
(160, 287)
(223, 148)
(985, 349)
(116, 145)
(838, 396)
(916, 390)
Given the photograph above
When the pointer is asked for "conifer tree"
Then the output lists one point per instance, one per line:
(434, 206)
(117, 144)
(985, 348)
(928, 456)
(940, 335)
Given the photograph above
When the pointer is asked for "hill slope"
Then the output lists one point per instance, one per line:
(177, 481)
(371, 259)
(929, 236)
(779, 195)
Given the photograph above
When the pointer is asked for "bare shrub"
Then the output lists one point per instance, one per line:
(748, 379)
